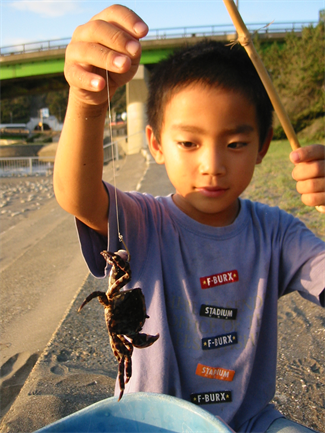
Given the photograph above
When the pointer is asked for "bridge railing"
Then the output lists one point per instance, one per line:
(32, 47)
(226, 29)
(169, 33)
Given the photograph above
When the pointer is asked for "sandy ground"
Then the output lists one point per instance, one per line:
(300, 393)
(76, 368)
(40, 271)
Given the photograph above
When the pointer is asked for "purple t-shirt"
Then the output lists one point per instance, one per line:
(211, 294)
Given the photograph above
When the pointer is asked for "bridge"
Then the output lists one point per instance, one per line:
(37, 67)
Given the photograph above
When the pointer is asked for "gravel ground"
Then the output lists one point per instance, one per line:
(21, 195)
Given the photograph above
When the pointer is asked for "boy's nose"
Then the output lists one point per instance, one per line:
(212, 162)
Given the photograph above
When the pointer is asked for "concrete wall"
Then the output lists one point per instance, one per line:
(136, 98)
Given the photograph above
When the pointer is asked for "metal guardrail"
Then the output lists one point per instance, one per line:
(226, 29)
(168, 33)
(42, 165)
(26, 166)
(111, 150)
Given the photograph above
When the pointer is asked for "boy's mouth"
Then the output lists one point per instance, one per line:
(211, 191)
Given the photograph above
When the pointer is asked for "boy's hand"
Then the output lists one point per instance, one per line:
(309, 172)
(110, 40)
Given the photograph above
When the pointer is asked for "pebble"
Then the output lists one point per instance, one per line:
(15, 193)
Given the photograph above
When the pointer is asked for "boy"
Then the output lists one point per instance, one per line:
(211, 265)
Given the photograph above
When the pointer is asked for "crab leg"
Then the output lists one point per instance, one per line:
(128, 359)
(117, 263)
(122, 350)
(143, 340)
(97, 294)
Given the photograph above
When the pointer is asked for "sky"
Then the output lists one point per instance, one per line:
(30, 21)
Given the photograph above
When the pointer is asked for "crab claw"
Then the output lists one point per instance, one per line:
(144, 340)
(107, 254)
(121, 253)
(121, 395)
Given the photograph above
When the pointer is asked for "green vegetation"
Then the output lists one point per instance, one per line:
(297, 71)
(15, 110)
(20, 109)
(273, 184)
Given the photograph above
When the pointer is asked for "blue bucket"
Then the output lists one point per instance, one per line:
(139, 412)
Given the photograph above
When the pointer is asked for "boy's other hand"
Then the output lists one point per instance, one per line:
(309, 172)
(110, 40)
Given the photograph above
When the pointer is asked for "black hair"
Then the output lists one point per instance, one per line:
(209, 63)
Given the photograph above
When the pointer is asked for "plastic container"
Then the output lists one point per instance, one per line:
(139, 412)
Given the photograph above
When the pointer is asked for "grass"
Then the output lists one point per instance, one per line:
(273, 184)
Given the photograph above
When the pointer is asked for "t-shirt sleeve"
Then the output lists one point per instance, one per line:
(302, 262)
(136, 214)
(92, 243)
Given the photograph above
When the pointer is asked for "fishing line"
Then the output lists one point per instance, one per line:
(120, 237)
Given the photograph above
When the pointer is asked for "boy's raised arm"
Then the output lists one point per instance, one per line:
(110, 40)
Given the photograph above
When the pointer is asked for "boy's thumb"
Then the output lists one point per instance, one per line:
(295, 157)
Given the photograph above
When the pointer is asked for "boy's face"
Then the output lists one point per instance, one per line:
(210, 146)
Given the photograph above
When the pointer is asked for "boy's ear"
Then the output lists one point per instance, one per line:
(154, 146)
(263, 151)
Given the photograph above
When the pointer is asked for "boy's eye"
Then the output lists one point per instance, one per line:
(237, 145)
(187, 144)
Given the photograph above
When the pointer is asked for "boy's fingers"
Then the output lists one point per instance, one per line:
(109, 36)
(125, 18)
(103, 45)
(91, 55)
(314, 200)
(309, 170)
(109, 41)
(309, 162)
(311, 186)
(80, 77)
(308, 153)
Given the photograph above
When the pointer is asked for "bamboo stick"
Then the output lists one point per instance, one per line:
(245, 40)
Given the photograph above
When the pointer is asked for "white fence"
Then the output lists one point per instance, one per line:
(26, 166)
(43, 165)
(111, 149)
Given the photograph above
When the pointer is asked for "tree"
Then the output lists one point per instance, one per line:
(57, 103)
(15, 110)
(297, 71)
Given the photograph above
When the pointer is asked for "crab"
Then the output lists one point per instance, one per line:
(125, 314)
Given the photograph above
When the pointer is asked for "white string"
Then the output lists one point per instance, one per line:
(113, 161)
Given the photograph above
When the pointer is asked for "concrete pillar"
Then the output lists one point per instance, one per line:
(136, 98)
